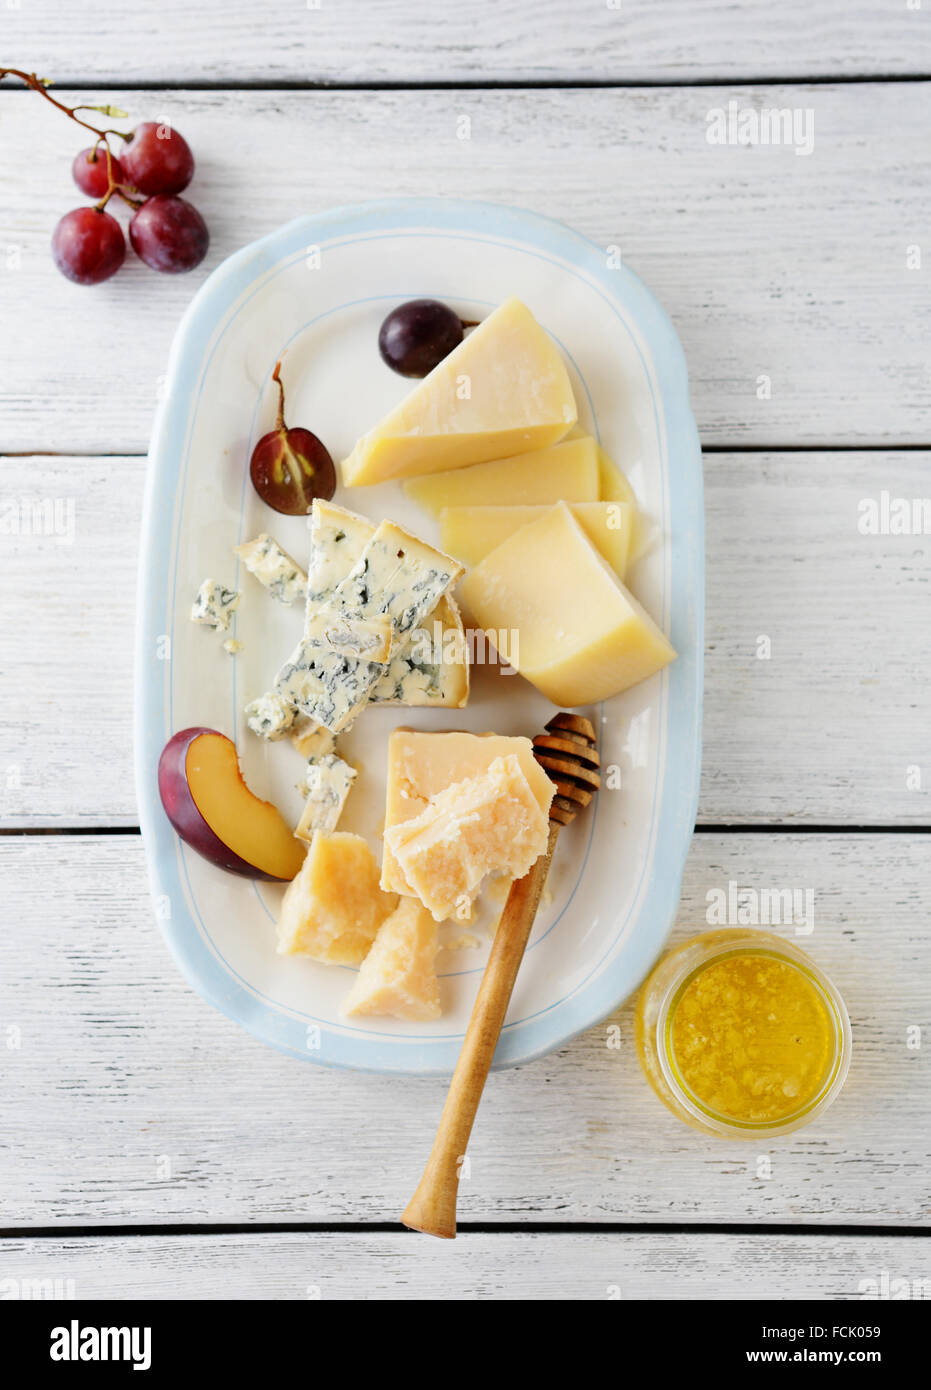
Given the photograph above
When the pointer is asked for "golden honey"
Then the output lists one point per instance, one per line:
(739, 1032)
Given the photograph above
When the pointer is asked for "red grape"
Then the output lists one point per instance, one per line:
(90, 171)
(156, 159)
(290, 467)
(88, 246)
(417, 335)
(169, 234)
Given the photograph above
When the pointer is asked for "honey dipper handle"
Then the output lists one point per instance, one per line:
(432, 1208)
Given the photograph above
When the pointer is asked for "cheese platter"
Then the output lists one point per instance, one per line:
(320, 504)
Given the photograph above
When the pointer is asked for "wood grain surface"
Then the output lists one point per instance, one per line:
(513, 1265)
(830, 728)
(128, 1101)
(786, 275)
(486, 41)
(798, 284)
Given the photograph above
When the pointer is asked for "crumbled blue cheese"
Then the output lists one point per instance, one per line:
(396, 576)
(270, 716)
(283, 577)
(232, 646)
(328, 783)
(214, 605)
(313, 741)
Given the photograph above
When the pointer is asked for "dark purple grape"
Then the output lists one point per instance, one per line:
(88, 246)
(169, 234)
(156, 159)
(417, 335)
(290, 467)
(89, 171)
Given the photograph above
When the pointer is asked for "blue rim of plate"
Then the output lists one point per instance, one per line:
(597, 997)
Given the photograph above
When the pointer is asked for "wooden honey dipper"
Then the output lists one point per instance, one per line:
(568, 754)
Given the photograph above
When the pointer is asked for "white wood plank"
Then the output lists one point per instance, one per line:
(539, 1266)
(67, 595)
(772, 265)
(488, 40)
(830, 727)
(127, 1100)
(829, 730)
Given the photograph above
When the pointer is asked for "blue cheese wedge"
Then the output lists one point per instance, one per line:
(215, 605)
(414, 675)
(270, 716)
(337, 539)
(431, 667)
(397, 576)
(330, 689)
(282, 577)
(328, 782)
(334, 630)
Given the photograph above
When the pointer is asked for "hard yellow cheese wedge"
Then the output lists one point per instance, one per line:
(581, 636)
(504, 390)
(470, 533)
(398, 976)
(492, 823)
(333, 908)
(422, 764)
(568, 472)
(613, 485)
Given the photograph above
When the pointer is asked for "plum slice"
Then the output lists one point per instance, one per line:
(207, 801)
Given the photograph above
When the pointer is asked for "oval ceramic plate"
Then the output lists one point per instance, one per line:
(316, 291)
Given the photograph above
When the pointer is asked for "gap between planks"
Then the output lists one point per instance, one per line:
(518, 84)
(702, 828)
(483, 1228)
(773, 448)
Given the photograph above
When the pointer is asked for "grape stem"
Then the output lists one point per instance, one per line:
(41, 85)
(291, 461)
(276, 377)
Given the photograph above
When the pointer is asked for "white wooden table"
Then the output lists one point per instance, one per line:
(149, 1147)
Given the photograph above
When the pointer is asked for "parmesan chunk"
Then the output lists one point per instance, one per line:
(491, 824)
(398, 976)
(422, 764)
(333, 908)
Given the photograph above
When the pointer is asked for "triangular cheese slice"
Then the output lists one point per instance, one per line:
(583, 637)
(471, 533)
(398, 976)
(566, 472)
(503, 391)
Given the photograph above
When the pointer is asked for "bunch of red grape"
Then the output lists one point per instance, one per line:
(165, 231)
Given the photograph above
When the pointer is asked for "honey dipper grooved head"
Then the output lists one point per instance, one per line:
(569, 757)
